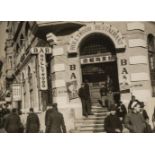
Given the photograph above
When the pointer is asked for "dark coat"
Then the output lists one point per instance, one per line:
(111, 123)
(121, 111)
(33, 123)
(47, 115)
(86, 86)
(103, 91)
(1, 119)
(135, 122)
(145, 115)
(83, 93)
(55, 122)
(12, 123)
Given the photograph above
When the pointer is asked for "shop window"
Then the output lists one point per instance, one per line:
(151, 55)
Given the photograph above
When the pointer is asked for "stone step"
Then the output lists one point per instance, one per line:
(92, 129)
(90, 121)
(94, 117)
(91, 125)
(95, 131)
(99, 110)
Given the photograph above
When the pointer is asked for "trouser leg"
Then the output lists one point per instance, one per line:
(84, 108)
(103, 98)
(89, 106)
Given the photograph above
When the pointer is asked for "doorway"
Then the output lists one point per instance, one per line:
(95, 67)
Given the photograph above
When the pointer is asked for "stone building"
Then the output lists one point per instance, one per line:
(3, 36)
(48, 61)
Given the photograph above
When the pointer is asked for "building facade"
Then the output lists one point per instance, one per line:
(3, 36)
(48, 61)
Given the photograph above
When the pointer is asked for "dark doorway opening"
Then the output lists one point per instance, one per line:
(93, 46)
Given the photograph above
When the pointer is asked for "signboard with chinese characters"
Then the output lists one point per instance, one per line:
(16, 92)
(42, 71)
(99, 59)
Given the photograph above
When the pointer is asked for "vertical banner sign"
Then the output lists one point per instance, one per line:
(42, 71)
(16, 92)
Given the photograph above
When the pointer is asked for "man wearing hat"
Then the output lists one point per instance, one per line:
(55, 122)
(112, 123)
(134, 121)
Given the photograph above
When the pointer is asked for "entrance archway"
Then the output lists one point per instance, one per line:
(99, 64)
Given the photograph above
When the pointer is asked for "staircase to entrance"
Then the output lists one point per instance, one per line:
(93, 123)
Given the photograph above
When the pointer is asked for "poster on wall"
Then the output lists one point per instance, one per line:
(72, 89)
(124, 84)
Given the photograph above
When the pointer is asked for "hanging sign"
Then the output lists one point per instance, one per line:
(42, 71)
(16, 92)
(37, 50)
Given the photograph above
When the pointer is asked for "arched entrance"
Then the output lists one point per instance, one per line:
(99, 63)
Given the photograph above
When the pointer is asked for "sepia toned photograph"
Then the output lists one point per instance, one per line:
(77, 77)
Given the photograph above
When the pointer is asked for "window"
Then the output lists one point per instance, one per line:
(30, 87)
(10, 62)
(151, 55)
(96, 44)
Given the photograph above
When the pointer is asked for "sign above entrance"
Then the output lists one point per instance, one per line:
(100, 59)
(37, 50)
(105, 29)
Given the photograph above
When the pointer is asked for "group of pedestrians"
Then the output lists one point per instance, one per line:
(10, 121)
(135, 119)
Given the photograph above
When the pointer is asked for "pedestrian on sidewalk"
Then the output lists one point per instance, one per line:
(133, 99)
(134, 121)
(112, 123)
(121, 111)
(55, 122)
(32, 123)
(12, 122)
(47, 115)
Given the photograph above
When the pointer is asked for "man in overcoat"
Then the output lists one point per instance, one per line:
(32, 123)
(12, 123)
(55, 122)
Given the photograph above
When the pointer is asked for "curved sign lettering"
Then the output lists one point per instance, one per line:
(106, 29)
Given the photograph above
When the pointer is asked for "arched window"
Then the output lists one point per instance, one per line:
(151, 56)
(96, 43)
